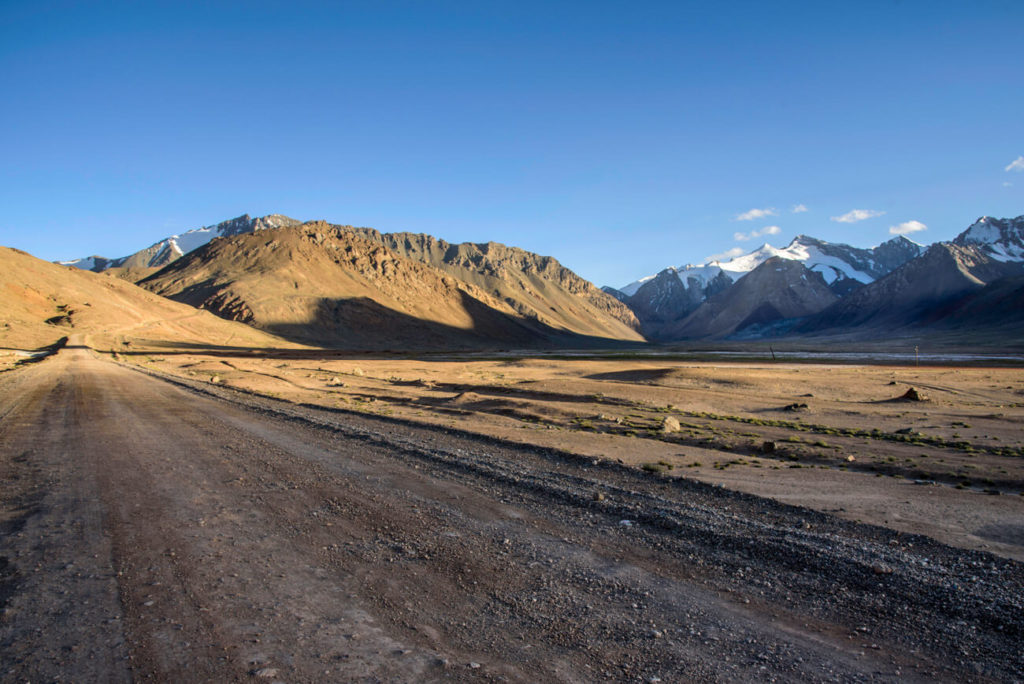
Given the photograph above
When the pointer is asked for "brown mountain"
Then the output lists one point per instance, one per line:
(349, 288)
(41, 302)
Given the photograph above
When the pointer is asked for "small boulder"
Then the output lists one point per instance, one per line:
(768, 447)
(670, 425)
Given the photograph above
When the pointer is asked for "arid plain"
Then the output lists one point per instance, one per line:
(839, 438)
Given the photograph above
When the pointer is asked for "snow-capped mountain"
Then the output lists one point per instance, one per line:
(662, 300)
(923, 290)
(835, 262)
(171, 248)
(1001, 239)
(776, 290)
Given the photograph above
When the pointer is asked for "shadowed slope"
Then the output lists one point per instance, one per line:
(917, 292)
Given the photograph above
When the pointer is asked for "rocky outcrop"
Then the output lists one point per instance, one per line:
(534, 285)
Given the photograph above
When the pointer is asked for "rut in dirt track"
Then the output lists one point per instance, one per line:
(153, 529)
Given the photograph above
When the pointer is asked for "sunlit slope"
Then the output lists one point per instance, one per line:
(41, 302)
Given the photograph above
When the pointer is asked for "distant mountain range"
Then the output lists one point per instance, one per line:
(356, 287)
(812, 287)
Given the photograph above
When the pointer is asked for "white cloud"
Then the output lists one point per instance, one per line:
(1016, 165)
(1007, 184)
(767, 230)
(907, 227)
(799, 208)
(757, 213)
(728, 254)
(857, 215)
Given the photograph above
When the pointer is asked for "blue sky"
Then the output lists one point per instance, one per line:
(619, 137)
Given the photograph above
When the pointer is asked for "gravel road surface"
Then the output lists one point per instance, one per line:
(150, 529)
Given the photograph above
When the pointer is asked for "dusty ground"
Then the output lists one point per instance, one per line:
(184, 531)
(951, 466)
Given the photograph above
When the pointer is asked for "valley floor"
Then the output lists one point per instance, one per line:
(950, 466)
(173, 524)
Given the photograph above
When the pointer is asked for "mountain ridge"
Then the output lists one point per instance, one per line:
(345, 288)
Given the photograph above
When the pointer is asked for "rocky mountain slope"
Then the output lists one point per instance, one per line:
(42, 302)
(345, 288)
(534, 286)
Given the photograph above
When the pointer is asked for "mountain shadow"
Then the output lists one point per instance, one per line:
(363, 324)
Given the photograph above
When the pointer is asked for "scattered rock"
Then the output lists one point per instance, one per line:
(670, 425)
(768, 447)
(265, 672)
(795, 407)
(474, 666)
(882, 570)
(598, 496)
(358, 372)
(913, 395)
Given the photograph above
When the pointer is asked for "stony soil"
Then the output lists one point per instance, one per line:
(182, 531)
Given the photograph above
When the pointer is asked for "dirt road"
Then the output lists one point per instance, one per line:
(150, 530)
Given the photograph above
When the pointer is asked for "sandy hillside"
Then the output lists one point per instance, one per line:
(41, 302)
(329, 285)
